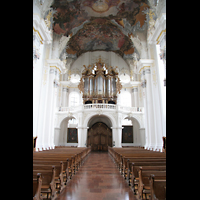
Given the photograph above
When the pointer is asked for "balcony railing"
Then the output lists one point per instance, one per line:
(102, 106)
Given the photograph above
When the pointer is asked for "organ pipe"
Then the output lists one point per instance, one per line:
(99, 83)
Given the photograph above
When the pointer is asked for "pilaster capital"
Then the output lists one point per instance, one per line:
(145, 64)
(82, 127)
(135, 89)
(65, 89)
(117, 127)
(57, 64)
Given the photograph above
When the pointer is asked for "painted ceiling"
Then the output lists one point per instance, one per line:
(99, 24)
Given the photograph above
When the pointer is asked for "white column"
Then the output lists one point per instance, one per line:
(47, 133)
(145, 70)
(117, 136)
(42, 109)
(135, 94)
(56, 136)
(132, 98)
(160, 97)
(150, 108)
(82, 136)
(64, 96)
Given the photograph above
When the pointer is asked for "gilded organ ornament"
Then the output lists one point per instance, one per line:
(99, 83)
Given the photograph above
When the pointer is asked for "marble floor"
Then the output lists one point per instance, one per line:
(97, 179)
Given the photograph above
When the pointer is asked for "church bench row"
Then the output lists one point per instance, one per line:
(37, 183)
(127, 164)
(157, 188)
(144, 183)
(131, 160)
(134, 175)
(63, 164)
(48, 188)
(58, 179)
(75, 158)
(122, 155)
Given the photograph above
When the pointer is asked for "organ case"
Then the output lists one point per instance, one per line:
(99, 83)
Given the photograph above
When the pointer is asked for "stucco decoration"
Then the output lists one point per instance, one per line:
(99, 24)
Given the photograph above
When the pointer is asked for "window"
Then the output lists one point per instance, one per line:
(73, 99)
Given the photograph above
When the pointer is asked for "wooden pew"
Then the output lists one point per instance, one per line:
(37, 183)
(58, 157)
(48, 189)
(157, 188)
(127, 163)
(134, 177)
(76, 156)
(59, 182)
(56, 167)
(144, 185)
(55, 163)
(129, 160)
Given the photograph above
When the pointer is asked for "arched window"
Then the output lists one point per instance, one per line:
(73, 99)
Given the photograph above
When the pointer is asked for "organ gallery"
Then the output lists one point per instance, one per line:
(99, 83)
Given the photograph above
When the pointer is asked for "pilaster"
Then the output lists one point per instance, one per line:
(145, 66)
(117, 136)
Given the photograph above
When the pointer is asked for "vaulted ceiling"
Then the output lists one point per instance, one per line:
(99, 24)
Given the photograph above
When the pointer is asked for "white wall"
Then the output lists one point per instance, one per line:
(110, 58)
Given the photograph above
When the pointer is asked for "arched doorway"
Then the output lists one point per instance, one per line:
(99, 137)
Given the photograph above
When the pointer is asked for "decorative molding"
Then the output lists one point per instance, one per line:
(51, 71)
(82, 127)
(41, 28)
(158, 39)
(143, 69)
(116, 127)
(56, 68)
(41, 39)
(56, 63)
(148, 71)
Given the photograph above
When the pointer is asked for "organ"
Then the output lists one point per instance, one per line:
(99, 83)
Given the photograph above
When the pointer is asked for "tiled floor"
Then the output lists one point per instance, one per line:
(97, 179)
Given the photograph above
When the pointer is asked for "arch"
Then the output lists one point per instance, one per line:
(60, 136)
(138, 132)
(65, 117)
(109, 116)
(135, 118)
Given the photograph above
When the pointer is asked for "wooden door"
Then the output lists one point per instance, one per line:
(99, 137)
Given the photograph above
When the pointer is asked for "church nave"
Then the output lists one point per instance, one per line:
(97, 179)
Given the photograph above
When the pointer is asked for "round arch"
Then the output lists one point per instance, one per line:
(138, 130)
(133, 118)
(60, 134)
(109, 116)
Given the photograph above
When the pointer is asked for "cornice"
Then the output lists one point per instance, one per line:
(160, 27)
(57, 63)
(144, 63)
(40, 27)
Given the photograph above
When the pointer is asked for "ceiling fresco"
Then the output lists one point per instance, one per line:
(100, 34)
(98, 24)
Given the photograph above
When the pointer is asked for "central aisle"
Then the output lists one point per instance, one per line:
(97, 179)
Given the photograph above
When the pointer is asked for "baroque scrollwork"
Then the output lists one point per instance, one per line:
(99, 83)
